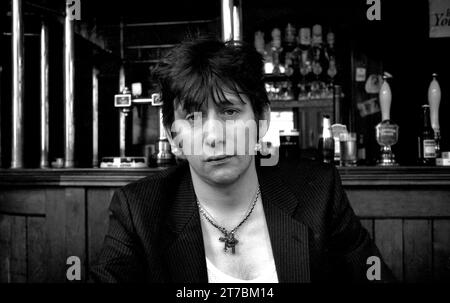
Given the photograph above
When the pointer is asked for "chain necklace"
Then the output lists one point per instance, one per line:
(229, 240)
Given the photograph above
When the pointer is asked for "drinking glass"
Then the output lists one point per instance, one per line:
(348, 149)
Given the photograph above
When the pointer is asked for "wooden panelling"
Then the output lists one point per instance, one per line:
(55, 235)
(398, 203)
(389, 239)
(38, 250)
(75, 226)
(13, 249)
(18, 249)
(441, 250)
(5, 248)
(98, 201)
(22, 201)
(417, 250)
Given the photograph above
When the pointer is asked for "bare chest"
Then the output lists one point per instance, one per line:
(252, 252)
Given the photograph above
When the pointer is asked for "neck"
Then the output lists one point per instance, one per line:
(227, 198)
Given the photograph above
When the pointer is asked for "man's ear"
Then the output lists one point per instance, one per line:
(264, 121)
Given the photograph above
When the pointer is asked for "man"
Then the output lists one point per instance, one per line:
(220, 217)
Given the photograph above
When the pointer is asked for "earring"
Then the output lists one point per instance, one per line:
(258, 147)
(177, 152)
(263, 148)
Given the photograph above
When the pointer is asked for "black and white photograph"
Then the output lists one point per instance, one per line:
(224, 146)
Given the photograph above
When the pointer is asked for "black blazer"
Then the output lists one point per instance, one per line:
(155, 232)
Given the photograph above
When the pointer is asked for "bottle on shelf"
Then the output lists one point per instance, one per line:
(276, 51)
(289, 61)
(303, 53)
(434, 100)
(261, 48)
(317, 86)
(326, 141)
(259, 43)
(317, 42)
(427, 145)
(289, 46)
(330, 56)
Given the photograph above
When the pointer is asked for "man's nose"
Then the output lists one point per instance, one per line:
(213, 130)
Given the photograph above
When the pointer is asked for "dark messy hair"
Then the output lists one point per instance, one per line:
(199, 69)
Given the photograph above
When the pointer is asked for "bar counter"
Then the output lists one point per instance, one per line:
(47, 215)
(104, 177)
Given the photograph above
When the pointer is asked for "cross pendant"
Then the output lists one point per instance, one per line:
(230, 242)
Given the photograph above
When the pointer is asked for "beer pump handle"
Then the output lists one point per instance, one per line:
(385, 97)
(434, 100)
(157, 102)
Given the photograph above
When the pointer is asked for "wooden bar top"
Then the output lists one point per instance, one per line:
(98, 177)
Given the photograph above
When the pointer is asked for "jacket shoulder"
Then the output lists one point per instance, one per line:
(155, 182)
(315, 185)
(150, 196)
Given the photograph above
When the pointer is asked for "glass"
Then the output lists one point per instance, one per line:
(348, 149)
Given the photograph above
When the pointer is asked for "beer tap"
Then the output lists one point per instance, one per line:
(434, 100)
(386, 130)
(125, 101)
(164, 156)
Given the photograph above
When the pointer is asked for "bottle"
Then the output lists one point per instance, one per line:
(276, 51)
(259, 43)
(304, 39)
(261, 48)
(326, 141)
(288, 50)
(317, 47)
(330, 55)
(427, 145)
(330, 51)
(289, 61)
(303, 54)
(361, 150)
(317, 62)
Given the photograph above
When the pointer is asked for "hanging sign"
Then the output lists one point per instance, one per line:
(439, 18)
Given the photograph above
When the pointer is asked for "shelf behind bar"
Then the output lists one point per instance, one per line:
(362, 176)
(169, 23)
(151, 46)
(286, 104)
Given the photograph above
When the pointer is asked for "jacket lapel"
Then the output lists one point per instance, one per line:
(289, 237)
(183, 246)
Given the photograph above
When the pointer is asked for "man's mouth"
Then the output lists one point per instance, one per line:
(218, 158)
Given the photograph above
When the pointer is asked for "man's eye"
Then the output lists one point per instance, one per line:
(230, 112)
(190, 117)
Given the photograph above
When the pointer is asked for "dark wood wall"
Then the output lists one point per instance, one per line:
(411, 227)
(47, 217)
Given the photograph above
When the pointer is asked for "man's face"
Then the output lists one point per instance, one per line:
(218, 140)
